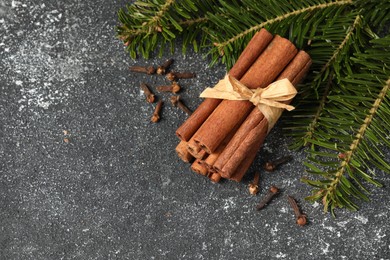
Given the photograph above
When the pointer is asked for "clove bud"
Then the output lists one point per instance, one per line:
(180, 75)
(161, 70)
(272, 165)
(254, 186)
(267, 199)
(174, 88)
(156, 114)
(149, 95)
(148, 70)
(301, 218)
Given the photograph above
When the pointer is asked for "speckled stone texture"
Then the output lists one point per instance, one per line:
(117, 190)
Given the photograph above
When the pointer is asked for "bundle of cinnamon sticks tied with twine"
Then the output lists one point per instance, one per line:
(223, 135)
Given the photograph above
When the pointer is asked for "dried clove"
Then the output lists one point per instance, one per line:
(180, 75)
(162, 69)
(254, 185)
(149, 95)
(267, 199)
(175, 100)
(301, 218)
(148, 70)
(174, 88)
(272, 165)
(156, 114)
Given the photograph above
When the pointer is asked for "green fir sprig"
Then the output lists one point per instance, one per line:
(342, 115)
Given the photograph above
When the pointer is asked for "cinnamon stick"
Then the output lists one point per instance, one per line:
(211, 158)
(182, 152)
(194, 149)
(246, 163)
(189, 127)
(251, 122)
(239, 154)
(214, 177)
(238, 162)
(231, 113)
(199, 167)
(297, 69)
(203, 163)
(252, 51)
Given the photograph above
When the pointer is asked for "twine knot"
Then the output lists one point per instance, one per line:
(268, 100)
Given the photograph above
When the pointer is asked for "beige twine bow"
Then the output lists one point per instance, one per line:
(268, 100)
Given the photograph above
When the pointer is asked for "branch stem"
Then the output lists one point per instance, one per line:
(280, 18)
(358, 138)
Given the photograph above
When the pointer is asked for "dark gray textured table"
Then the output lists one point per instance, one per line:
(117, 190)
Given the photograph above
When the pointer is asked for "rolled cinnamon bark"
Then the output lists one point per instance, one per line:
(297, 69)
(203, 164)
(193, 122)
(252, 51)
(214, 177)
(211, 158)
(239, 154)
(182, 152)
(246, 152)
(251, 122)
(199, 167)
(231, 113)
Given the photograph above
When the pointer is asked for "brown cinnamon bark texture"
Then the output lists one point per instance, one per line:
(214, 177)
(297, 69)
(199, 167)
(230, 150)
(211, 158)
(252, 152)
(252, 51)
(182, 152)
(231, 113)
(246, 152)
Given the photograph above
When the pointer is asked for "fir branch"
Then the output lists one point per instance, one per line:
(330, 193)
(354, 99)
(153, 22)
(147, 26)
(376, 12)
(319, 78)
(194, 21)
(342, 45)
(325, 53)
(240, 23)
(162, 11)
(313, 124)
(279, 18)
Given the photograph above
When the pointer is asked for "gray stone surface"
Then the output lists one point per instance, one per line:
(117, 189)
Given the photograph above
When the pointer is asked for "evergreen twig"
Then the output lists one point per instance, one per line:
(343, 107)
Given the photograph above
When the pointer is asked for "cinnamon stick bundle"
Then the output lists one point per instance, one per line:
(225, 135)
(231, 113)
(254, 48)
